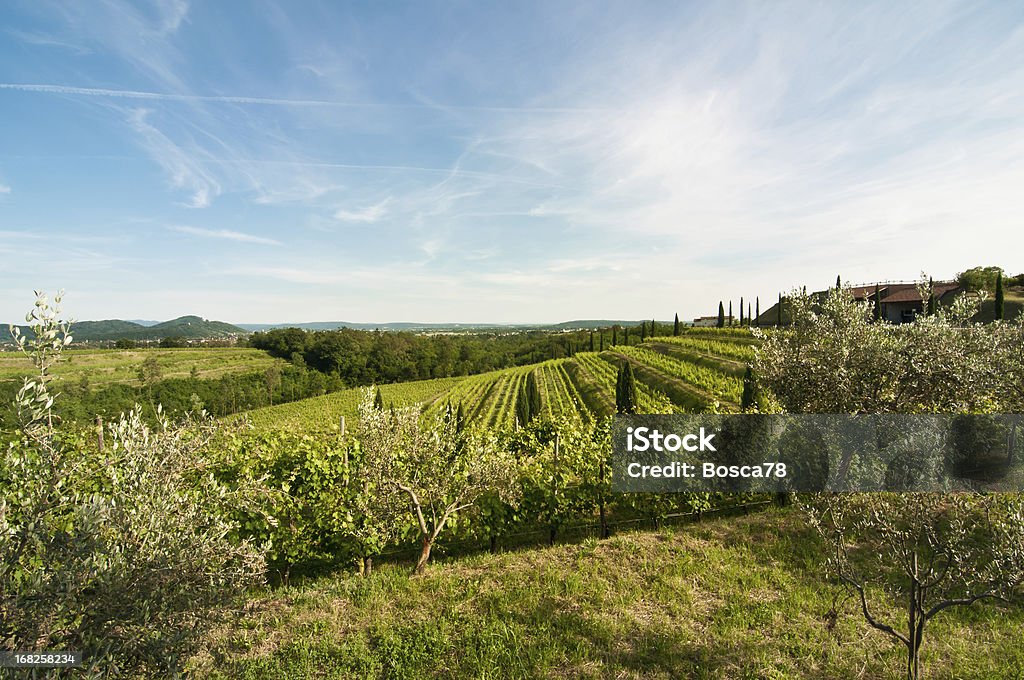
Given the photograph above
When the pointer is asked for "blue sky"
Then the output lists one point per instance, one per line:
(498, 162)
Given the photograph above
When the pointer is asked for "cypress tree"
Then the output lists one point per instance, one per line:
(626, 396)
(757, 311)
(591, 341)
(730, 313)
(750, 392)
(721, 315)
(675, 326)
(878, 304)
(999, 296)
(522, 407)
(626, 332)
(779, 320)
(378, 401)
(615, 335)
(839, 282)
(931, 297)
(652, 328)
(643, 331)
(750, 319)
(602, 342)
(741, 310)
(533, 395)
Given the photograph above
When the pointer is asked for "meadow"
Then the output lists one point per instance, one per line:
(100, 367)
(735, 597)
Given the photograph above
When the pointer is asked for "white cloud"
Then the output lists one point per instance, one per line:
(368, 214)
(4, 189)
(227, 234)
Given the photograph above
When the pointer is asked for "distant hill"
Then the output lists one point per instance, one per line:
(441, 327)
(188, 327)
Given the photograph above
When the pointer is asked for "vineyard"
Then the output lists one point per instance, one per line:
(692, 372)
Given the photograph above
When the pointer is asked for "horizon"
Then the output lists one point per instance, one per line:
(569, 161)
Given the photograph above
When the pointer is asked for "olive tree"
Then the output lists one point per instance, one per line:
(123, 552)
(437, 469)
(932, 551)
(928, 551)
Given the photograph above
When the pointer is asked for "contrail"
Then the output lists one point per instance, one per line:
(270, 101)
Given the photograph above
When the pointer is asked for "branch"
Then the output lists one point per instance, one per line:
(416, 506)
(867, 614)
(961, 601)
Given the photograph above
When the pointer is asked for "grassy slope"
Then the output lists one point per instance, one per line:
(105, 366)
(730, 598)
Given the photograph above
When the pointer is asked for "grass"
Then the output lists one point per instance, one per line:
(109, 366)
(738, 597)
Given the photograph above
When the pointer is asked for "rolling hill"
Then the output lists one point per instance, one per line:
(188, 327)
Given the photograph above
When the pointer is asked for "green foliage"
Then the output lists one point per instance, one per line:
(124, 553)
(980, 278)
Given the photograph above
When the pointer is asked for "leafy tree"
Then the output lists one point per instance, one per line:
(979, 278)
(999, 296)
(626, 395)
(721, 315)
(125, 343)
(438, 471)
(272, 377)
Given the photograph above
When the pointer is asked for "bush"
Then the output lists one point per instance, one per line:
(122, 551)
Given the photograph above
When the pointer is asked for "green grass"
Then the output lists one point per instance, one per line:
(109, 366)
(737, 597)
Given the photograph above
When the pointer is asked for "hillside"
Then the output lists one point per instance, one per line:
(737, 597)
(188, 327)
(686, 373)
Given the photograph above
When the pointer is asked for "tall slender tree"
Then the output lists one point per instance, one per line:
(729, 319)
(721, 315)
(931, 297)
(675, 325)
(643, 331)
(757, 311)
(652, 328)
(778, 321)
(750, 321)
(741, 310)
(878, 303)
(999, 296)
(839, 282)
(626, 397)
(591, 341)
(615, 335)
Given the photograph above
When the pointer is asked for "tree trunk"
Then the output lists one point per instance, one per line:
(915, 626)
(421, 564)
(494, 544)
(367, 568)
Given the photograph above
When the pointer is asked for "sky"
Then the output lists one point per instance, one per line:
(262, 162)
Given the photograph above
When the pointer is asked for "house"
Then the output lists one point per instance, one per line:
(707, 321)
(899, 301)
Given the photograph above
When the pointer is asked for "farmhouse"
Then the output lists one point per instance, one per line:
(707, 321)
(899, 301)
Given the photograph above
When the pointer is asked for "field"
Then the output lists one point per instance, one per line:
(739, 597)
(109, 366)
(687, 373)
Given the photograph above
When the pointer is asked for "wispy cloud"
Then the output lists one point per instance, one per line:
(4, 189)
(368, 214)
(226, 234)
(181, 164)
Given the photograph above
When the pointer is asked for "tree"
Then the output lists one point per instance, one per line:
(378, 400)
(839, 282)
(750, 396)
(757, 311)
(778, 321)
(125, 343)
(877, 307)
(721, 315)
(615, 335)
(626, 397)
(272, 379)
(533, 394)
(438, 470)
(591, 341)
(643, 331)
(933, 551)
(741, 310)
(675, 326)
(999, 296)
(729, 319)
(979, 278)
